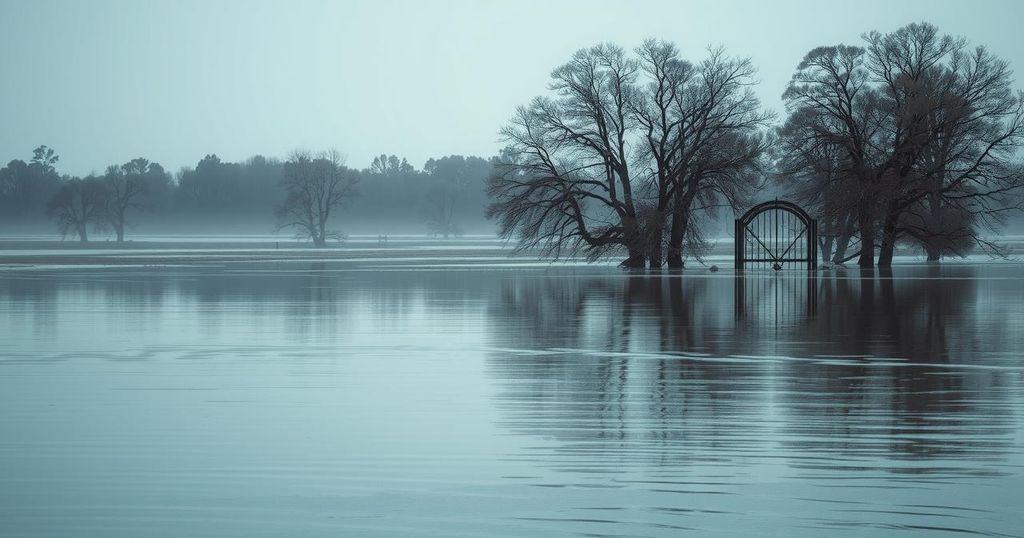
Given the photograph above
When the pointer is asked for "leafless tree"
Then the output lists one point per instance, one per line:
(703, 135)
(816, 175)
(626, 149)
(927, 129)
(966, 177)
(77, 205)
(315, 186)
(565, 184)
(125, 188)
(833, 107)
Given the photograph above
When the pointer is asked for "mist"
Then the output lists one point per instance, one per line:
(106, 82)
(511, 268)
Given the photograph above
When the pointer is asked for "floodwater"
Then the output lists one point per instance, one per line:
(446, 399)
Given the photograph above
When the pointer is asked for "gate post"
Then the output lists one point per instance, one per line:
(738, 246)
(812, 229)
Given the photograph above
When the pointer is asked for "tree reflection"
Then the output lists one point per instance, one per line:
(636, 367)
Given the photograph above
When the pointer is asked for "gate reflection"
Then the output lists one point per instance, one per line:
(844, 364)
(766, 297)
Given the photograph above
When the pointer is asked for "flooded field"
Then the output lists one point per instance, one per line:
(476, 395)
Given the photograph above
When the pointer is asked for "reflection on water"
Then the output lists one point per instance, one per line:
(318, 400)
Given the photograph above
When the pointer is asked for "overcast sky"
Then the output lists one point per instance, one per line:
(106, 81)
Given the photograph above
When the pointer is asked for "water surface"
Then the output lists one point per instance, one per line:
(509, 399)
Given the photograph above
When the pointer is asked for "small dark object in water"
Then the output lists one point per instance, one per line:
(713, 268)
(777, 266)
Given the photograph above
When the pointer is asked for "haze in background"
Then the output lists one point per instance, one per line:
(106, 81)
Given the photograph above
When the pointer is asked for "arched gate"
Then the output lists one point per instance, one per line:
(776, 234)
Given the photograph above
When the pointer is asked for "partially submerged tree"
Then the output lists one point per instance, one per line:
(628, 150)
(315, 187)
(77, 205)
(703, 137)
(923, 133)
(817, 177)
(566, 184)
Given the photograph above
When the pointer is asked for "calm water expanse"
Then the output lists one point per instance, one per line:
(438, 397)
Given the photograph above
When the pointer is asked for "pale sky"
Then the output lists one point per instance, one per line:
(106, 81)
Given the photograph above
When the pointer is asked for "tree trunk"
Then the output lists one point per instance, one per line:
(826, 246)
(83, 235)
(680, 221)
(675, 241)
(934, 207)
(654, 260)
(843, 242)
(635, 260)
(654, 248)
(841, 246)
(885, 253)
(867, 236)
(634, 240)
(888, 248)
(119, 229)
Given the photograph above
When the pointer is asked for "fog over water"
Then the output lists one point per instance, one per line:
(376, 399)
(464, 268)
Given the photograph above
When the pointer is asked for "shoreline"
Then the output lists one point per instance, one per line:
(479, 250)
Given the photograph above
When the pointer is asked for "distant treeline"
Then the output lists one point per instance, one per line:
(445, 197)
(910, 139)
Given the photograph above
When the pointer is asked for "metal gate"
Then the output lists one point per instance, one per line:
(776, 235)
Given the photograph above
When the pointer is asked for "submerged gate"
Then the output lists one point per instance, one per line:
(776, 234)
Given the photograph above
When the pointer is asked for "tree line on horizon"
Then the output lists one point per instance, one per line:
(303, 193)
(910, 138)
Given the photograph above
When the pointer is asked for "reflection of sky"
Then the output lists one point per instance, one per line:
(198, 401)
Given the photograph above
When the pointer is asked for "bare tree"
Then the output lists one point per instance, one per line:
(817, 175)
(625, 148)
(566, 184)
(966, 177)
(315, 186)
(926, 129)
(78, 204)
(703, 131)
(125, 188)
(833, 107)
